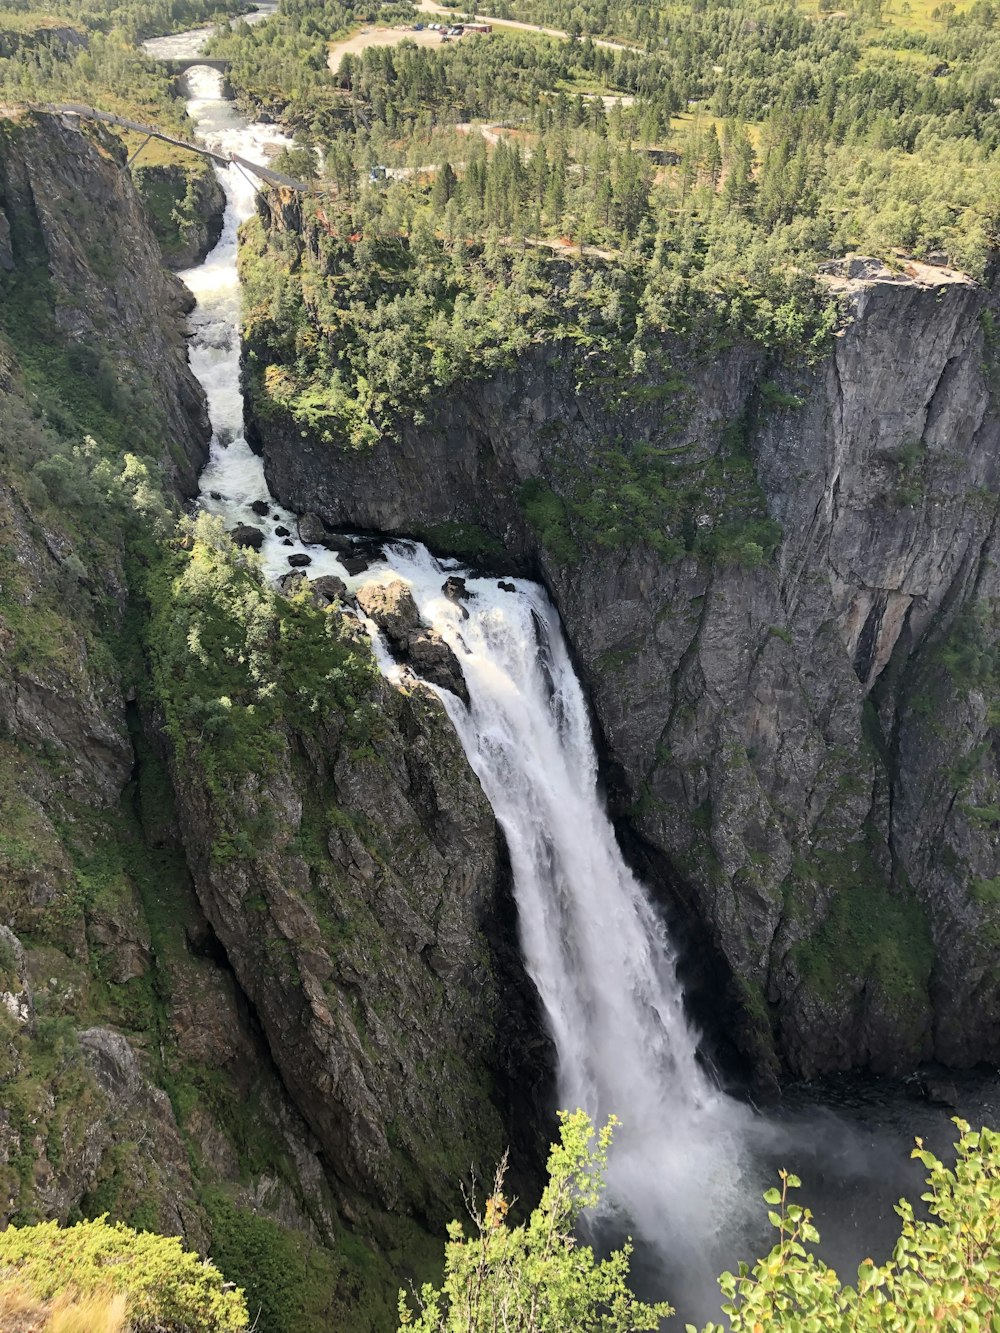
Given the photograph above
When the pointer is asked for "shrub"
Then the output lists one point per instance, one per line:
(537, 1276)
(944, 1272)
(167, 1289)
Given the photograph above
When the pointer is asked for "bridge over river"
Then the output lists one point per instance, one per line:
(265, 174)
(178, 64)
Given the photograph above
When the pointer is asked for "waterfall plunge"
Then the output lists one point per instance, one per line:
(593, 943)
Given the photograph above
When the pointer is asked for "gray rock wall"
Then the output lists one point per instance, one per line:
(800, 747)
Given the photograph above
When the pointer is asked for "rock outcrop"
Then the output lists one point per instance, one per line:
(101, 282)
(357, 936)
(190, 192)
(780, 585)
(392, 608)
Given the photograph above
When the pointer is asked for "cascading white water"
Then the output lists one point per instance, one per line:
(593, 943)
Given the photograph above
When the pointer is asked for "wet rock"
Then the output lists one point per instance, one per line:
(215, 495)
(940, 1091)
(288, 542)
(328, 588)
(246, 535)
(323, 591)
(454, 588)
(394, 611)
(280, 531)
(434, 660)
(261, 508)
(299, 560)
(355, 564)
(312, 530)
(505, 586)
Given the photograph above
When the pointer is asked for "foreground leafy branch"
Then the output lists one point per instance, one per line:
(944, 1273)
(535, 1276)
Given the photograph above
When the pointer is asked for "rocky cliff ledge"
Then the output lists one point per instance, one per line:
(781, 588)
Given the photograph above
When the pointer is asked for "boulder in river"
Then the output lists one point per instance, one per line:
(393, 609)
(279, 531)
(454, 588)
(355, 563)
(299, 560)
(261, 508)
(328, 588)
(244, 534)
(506, 586)
(312, 529)
(434, 660)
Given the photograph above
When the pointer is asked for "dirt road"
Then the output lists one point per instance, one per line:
(378, 37)
(390, 36)
(431, 7)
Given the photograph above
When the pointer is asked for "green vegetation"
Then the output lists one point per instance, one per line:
(485, 197)
(288, 1279)
(943, 1273)
(231, 658)
(166, 1289)
(869, 930)
(536, 1275)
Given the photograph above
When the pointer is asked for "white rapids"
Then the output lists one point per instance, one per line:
(593, 943)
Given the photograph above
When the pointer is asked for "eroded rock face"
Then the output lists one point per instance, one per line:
(83, 1122)
(189, 247)
(805, 759)
(78, 216)
(357, 932)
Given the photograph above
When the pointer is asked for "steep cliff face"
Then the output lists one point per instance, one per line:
(186, 206)
(348, 861)
(256, 984)
(780, 586)
(78, 273)
(93, 293)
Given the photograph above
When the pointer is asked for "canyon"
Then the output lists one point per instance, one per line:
(278, 946)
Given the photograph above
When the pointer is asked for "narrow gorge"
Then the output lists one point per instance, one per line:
(597, 734)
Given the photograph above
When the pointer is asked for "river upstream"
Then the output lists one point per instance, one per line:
(689, 1162)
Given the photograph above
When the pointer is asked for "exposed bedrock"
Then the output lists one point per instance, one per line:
(804, 737)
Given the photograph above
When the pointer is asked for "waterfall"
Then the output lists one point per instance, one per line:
(687, 1161)
(593, 943)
